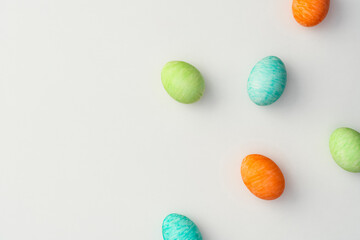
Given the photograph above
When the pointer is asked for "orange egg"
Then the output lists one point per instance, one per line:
(262, 177)
(310, 12)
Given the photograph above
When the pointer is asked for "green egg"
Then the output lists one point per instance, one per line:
(182, 81)
(345, 148)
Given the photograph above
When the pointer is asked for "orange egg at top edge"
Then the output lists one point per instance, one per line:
(310, 12)
(262, 177)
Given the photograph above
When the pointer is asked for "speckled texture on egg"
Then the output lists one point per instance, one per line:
(345, 148)
(262, 177)
(182, 81)
(179, 227)
(267, 81)
(310, 12)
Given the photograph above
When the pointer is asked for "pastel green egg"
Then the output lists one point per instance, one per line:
(345, 148)
(179, 227)
(182, 81)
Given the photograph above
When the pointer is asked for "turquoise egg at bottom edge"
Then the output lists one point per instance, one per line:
(267, 81)
(179, 227)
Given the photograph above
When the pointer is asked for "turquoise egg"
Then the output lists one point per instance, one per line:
(179, 227)
(267, 81)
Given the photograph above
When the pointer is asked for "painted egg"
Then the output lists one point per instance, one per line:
(182, 81)
(310, 12)
(267, 81)
(179, 227)
(345, 148)
(262, 177)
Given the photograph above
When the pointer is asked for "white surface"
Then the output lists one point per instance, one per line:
(92, 147)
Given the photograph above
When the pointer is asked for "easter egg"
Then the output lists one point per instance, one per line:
(182, 81)
(262, 177)
(267, 81)
(345, 148)
(310, 12)
(179, 227)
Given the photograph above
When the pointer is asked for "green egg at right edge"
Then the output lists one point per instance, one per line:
(345, 148)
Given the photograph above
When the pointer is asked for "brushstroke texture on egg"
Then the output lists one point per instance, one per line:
(345, 148)
(182, 81)
(179, 227)
(262, 177)
(267, 81)
(310, 12)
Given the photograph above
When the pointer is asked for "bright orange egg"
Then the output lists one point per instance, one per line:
(310, 12)
(262, 177)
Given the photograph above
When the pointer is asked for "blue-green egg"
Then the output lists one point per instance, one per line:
(179, 227)
(267, 81)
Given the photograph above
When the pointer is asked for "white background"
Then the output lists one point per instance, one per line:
(92, 147)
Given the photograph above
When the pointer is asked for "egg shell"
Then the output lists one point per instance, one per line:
(262, 177)
(267, 81)
(345, 148)
(310, 12)
(182, 81)
(179, 227)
